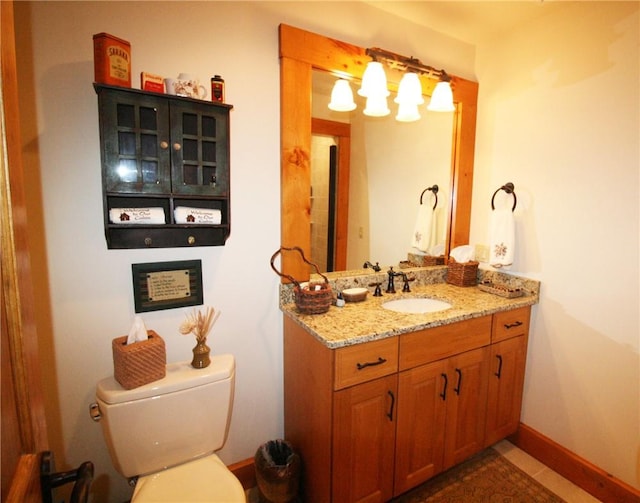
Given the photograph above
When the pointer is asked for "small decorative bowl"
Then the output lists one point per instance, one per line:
(354, 294)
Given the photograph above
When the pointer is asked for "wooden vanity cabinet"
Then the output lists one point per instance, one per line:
(442, 399)
(510, 335)
(160, 151)
(373, 420)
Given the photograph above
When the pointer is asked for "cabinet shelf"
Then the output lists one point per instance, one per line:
(163, 152)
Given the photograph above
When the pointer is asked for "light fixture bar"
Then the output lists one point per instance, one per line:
(402, 63)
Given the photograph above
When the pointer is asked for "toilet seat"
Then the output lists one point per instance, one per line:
(205, 479)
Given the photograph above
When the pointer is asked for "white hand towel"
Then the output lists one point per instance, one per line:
(501, 238)
(187, 215)
(423, 236)
(136, 216)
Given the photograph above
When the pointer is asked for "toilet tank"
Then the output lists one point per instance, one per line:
(164, 423)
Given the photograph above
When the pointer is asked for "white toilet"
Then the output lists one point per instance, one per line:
(166, 432)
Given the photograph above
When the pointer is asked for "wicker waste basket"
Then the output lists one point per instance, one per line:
(277, 468)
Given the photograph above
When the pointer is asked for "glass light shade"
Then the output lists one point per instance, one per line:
(376, 106)
(442, 99)
(374, 81)
(410, 90)
(408, 112)
(342, 97)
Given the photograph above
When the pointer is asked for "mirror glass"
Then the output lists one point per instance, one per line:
(390, 164)
(302, 52)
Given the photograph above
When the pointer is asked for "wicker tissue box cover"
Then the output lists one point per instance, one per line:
(139, 363)
(462, 273)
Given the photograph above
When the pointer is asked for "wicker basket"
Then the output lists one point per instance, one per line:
(425, 260)
(462, 273)
(500, 290)
(312, 298)
(139, 363)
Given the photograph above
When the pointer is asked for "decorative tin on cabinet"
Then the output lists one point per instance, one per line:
(163, 153)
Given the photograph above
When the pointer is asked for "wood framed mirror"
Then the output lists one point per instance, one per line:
(300, 53)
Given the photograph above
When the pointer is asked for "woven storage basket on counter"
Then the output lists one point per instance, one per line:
(139, 363)
(425, 260)
(462, 273)
(312, 298)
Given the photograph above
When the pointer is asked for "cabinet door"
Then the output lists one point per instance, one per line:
(134, 130)
(506, 379)
(199, 151)
(422, 394)
(466, 406)
(364, 423)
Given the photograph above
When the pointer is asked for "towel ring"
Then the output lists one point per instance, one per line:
(509, 189)
(433, 189)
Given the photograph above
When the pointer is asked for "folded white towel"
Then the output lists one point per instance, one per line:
(501, 238)
(187, 215)
(424, 232)
(136, 216)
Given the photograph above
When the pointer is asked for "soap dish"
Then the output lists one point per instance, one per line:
(354, 294)
(500, 290)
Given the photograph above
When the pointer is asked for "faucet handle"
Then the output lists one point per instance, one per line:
(378, 291)
(406, 279)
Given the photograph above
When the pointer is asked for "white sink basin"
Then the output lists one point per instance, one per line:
(416, 305)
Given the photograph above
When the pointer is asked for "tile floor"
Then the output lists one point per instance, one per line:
(544, 475)
(530, 465)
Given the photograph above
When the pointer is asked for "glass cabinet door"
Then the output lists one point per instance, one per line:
(200, 150)
(137, 145)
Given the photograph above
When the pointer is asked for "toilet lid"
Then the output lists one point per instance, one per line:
(203, 480)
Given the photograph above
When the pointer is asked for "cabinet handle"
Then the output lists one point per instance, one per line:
(191, 240)
(148, 241)
(457, 388)
(371, 364)
(164, 145)
(499, 372)
(177, 146)
(393, 403)
(443, 395)
(512, 325)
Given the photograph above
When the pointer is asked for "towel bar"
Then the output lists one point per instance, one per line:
(433, 189)
(509, 189)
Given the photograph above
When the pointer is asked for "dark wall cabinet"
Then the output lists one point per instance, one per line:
(165, 169)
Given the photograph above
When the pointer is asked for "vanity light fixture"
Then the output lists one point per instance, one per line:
(409, 97)
(442, 98)
(342, 97)
(374, 88)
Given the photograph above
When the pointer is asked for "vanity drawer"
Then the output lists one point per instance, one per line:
(508, 324)
(363, 362)
(424, 346)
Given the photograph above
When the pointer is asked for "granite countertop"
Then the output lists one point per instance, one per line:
(365, 321)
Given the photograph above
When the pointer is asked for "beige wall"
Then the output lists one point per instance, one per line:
(85, 290)
(559, 117)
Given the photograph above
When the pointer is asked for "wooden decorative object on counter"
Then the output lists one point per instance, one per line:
(139, 363)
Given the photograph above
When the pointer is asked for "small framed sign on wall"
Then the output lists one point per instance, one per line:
(167, 285)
